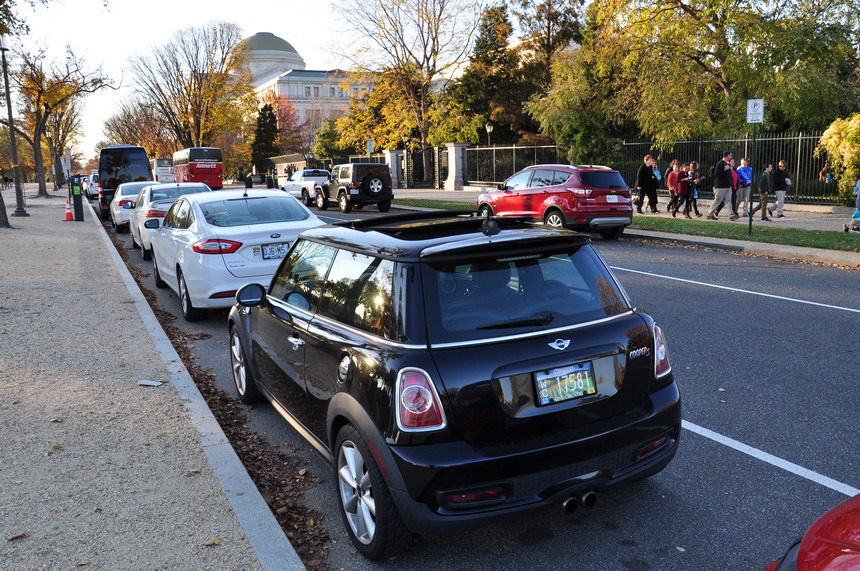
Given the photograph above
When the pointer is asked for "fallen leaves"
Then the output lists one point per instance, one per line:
(16, 537)
(212, 542)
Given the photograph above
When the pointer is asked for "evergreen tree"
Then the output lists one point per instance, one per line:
(265, 143)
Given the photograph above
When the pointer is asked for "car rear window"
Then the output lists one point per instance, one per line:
(602, 179)
(253, 210)
(362, 170)
(496, 296)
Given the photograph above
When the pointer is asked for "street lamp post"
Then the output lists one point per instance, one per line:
(489, 128)
(16, 171)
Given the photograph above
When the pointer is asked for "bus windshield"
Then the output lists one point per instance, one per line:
(123, 163)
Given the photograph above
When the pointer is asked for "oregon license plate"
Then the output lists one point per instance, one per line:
(274, 251)
(565, 383)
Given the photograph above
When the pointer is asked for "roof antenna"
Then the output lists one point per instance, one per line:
(490, 227)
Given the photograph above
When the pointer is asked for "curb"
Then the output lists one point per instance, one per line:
(267, 539)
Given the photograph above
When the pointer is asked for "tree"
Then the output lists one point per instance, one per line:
(47, 89)
(547, 26)
(377, 113)
(418, 43)
(265, 139)
(139, 124)
(293, 135)
(841, 143)
(199, 82)
(326, 142)
(60, 131)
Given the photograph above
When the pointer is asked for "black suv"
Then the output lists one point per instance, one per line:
(356, 184)
(455, 370)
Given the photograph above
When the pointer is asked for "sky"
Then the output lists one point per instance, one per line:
(108, 36)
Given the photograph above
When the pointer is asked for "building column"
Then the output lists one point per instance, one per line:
(456, 166)
(394, 158)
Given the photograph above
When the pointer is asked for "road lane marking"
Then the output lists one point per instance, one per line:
(773, 460)
(827, 305)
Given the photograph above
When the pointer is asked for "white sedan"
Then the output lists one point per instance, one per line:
(210, 244)
(152, 203)
(301, 183)
(123, 201)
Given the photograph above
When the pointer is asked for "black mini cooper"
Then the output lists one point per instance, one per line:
(456, 369)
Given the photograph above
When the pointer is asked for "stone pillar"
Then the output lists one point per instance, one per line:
(456, 166)
(393, 159)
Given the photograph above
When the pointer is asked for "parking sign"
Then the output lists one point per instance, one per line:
(755, 110)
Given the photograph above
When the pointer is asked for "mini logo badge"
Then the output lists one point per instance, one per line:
(560, 344)
(275, 236)
(640, 352)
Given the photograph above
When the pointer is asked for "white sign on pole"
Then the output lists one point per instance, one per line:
(755, 110)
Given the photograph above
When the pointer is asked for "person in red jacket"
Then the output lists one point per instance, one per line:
(672, 183)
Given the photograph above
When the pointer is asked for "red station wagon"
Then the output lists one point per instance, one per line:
(583, 197)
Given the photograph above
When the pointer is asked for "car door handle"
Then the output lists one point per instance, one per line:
(296, 342)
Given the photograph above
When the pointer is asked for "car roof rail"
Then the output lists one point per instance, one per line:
(400, 223)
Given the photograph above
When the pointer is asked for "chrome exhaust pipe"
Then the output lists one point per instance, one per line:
(588, 498)
(570, 504)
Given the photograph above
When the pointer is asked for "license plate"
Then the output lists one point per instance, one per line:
(274, 251)
(611, 198)
(355, 191)
(565, 383)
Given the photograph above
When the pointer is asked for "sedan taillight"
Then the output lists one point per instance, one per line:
(418, 406)
(216, 246)
(155, 214)
(661, 354)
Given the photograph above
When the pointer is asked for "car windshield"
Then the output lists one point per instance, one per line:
(253, 210)
(496, 296)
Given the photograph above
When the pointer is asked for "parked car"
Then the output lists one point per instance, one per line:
(356, 184)
(585, 197)
(92, 186)
(301, 183)
(151, 204)
(455, 370)
(832, 543)
(212, 243)
(122, 203)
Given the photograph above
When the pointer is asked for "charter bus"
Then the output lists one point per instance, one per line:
(198, 164)
(162, 169)
(119, 164)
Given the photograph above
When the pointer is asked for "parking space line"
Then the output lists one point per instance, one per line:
(773, 460)
(827, 305)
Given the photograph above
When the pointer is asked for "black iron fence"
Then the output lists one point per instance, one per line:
(796, 149)
(488, 166)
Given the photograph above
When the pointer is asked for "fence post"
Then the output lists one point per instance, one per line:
(797, 167)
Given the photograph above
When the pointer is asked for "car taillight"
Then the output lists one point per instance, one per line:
(580, 191)
(661, 354)
(418, 405)
(122, 202)
(216, 246)
(155, 214)
(354, 184)
(101, 192)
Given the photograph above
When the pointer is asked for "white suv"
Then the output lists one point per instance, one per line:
(301, 184)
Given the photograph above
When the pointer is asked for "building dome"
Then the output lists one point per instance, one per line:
(270, 56)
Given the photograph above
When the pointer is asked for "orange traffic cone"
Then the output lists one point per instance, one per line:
(69, 216)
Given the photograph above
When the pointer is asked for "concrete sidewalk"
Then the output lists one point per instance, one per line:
(98, 470)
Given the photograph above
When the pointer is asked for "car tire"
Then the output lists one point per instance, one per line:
(306, 198)
(343, 203)
(146, 253)
(612, 233)
(485, 211)
(121, 228)
(555, 219)
(243, 378)
(105, 215)
(134, 244)
(370, 516)
(384, 205)
(159, 283)
(321, 200)
(189, 312)
(372, 184)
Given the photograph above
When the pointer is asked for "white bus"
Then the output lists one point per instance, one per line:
(162, 169)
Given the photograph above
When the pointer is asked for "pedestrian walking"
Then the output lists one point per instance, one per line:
(666, 174)
(734, 200)
(722, 186)
(824, 175)
(764, 186)
(672, 183)
(695, 178)
(781, 182)
(684, 190)
(744, 184)
(646, 184)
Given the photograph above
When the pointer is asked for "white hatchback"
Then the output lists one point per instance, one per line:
(151, 204)
(211, 244)
(301, 184)
(122, 203)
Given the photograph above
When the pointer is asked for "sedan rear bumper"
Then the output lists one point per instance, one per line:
(544, 477)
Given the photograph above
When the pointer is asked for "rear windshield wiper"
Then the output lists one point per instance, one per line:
(540, 320)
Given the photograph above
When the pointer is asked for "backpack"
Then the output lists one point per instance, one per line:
(712, 172)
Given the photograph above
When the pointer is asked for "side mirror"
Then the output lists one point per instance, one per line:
(250, 295)
(151, 224)
(128, 205)
(501, 186)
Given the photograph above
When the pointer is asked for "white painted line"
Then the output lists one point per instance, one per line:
(849, 491)
(827, 305)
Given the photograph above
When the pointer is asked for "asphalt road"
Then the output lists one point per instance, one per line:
(765, 354)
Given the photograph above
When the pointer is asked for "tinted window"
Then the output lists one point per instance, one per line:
(498, 296)
(518, 181)
(252, 210)
(358, 292)
(183, 218)
(204, 154)
(170, 218)
(301, 275)
(542, 178)
(362, 170)
(560, 177)
(123, 164)
(602, 179)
